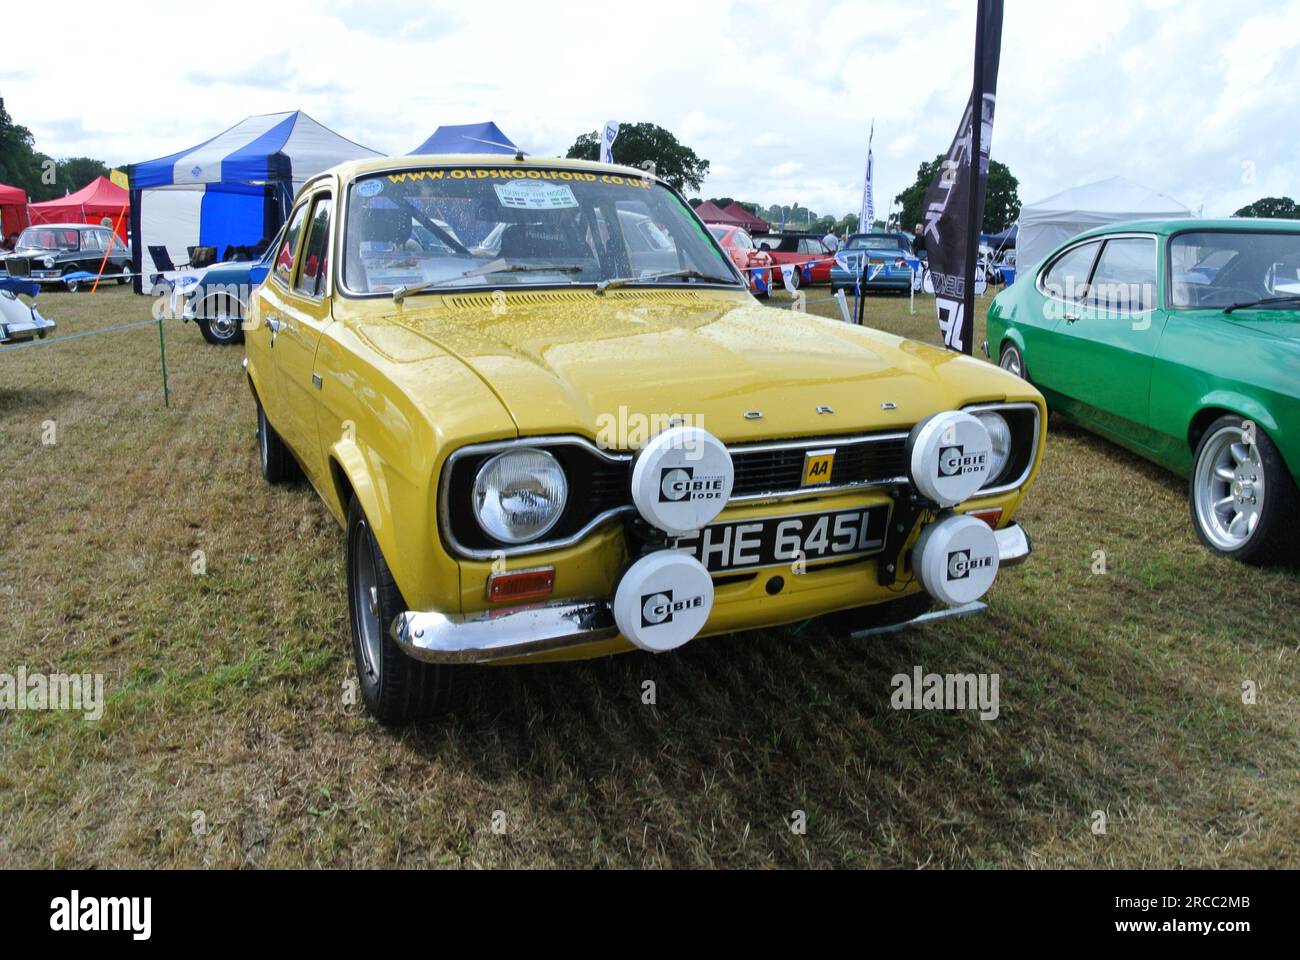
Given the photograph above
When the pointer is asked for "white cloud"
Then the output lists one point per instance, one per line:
(779, 96)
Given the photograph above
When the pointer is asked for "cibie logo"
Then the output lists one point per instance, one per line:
(955, 461)
(678, 484)
(658, 607)
(961, 563)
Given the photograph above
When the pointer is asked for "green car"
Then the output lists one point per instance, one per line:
(1180, 340)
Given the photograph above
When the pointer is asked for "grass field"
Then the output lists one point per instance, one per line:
(228, 740)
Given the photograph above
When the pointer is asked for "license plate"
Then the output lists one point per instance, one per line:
(779, 541)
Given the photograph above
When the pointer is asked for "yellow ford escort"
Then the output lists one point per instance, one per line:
(554, 424)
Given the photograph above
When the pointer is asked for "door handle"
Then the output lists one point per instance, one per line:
(1070, 319)
(275, 325)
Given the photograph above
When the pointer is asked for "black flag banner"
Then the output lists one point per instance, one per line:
(954, 204)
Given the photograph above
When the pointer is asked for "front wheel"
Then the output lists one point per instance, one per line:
(1243, 501)
(394, 687)
(221, 329)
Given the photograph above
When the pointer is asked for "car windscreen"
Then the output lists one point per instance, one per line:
(1216, 268)
(875, 243)
(464, 227)
(48, 238)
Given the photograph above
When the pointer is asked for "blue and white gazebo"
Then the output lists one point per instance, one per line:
(232, 190)
(467, 138)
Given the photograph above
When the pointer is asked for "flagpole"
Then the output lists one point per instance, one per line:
(973, 212)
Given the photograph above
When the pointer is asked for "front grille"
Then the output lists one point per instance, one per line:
(18, 267)
(773, 470)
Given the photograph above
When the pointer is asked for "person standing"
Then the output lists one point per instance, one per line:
(918, 241)
(831, 242)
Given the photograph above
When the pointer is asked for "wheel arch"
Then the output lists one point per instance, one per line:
(1222, 404)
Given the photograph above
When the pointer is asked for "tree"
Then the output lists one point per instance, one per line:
(638, 142)
(18, 165)
(1001, 198)
(75, 172)
(1273, 208)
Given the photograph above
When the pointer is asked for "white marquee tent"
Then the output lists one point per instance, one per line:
(1047, 224)
(234, 189)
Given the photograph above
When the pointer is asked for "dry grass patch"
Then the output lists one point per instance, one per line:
(1118, 692)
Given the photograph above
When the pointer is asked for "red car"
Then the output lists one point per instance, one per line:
(744, 252)
(800, 248)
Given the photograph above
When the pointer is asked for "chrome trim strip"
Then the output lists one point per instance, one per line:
(809, 443)
(1033, 450)
(498, 634)
(965, 610)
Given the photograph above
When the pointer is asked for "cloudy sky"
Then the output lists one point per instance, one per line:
(1195, 98)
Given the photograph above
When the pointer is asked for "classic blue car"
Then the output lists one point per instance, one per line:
(886, 256)
(216, 301)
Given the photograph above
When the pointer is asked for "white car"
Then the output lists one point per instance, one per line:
(20, 320)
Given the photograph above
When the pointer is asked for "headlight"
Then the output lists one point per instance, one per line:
(519, 495)
(49, 263)
(1000, 439)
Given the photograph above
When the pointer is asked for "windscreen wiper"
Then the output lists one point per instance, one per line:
(613, 282)
(1290, 298)
(496, 266)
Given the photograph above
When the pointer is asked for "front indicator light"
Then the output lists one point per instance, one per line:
(991, 517)
(514, 586)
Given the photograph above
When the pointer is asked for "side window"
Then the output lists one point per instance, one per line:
(90, 241)
(1067, 277)
(1125, 278)
(118, 245)
(315, 250)
(284, 257)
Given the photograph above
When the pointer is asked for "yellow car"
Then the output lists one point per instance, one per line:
(554, 424)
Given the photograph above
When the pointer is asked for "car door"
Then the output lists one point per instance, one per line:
(305, 312)
(1106, 338)
(266, 319)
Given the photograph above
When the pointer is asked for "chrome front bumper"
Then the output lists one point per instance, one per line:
(519, 631)
(28, 329)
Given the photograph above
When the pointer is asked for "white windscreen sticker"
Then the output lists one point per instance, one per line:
(533, 195)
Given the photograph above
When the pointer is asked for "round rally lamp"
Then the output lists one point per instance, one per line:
(949, 456)
(956, 559)
(519, 495)
(663, 600)
(682, 479)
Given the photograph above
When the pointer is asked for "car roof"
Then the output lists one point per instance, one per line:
(1170, 226)
(65, 226)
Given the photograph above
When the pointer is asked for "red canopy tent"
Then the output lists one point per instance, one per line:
(747, 220)
(13, 210)
(732, 216)
(98, 199)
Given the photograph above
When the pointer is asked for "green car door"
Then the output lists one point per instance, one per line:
(1098, 349)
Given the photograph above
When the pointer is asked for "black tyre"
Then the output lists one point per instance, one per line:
(1013, 361)
(72, 286)
(1242, 498)
(277, 462)
(394, 687)
(124, 275)
(218, 326)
